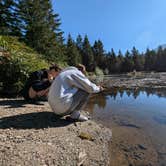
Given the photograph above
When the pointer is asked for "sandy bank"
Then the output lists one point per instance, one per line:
(33, 135)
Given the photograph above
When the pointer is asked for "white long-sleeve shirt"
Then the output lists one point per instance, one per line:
(65, 85)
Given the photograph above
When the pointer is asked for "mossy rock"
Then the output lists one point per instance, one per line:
(86, 136)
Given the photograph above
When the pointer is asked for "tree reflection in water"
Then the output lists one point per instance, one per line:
(101, 98)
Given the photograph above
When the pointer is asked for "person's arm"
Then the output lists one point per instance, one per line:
(41, 85)
(80, 81)
(42, 92)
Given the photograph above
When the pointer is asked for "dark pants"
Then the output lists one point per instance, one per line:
(37, 86)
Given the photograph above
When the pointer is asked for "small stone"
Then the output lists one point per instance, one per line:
(19, 137)
(81, 158)
(49, 143)
(90, 123)
(142, 147)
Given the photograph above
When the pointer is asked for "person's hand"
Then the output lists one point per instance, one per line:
(101, 88)
(50, 77)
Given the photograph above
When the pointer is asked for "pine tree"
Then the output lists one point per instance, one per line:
(150, 60)
(79, 43)
(128, 63)
(9, 22)
(159, 65)
(137, 59)
(99, 54)
(112, 61)
(87, 55)
(119, 62)
(72, 52)
(164, 61)
(147, 56)
(41, 28)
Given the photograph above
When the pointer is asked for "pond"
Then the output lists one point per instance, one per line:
(138, 122)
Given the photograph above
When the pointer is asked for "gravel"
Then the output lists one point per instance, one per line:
(30, 134)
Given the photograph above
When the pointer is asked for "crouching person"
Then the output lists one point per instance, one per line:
(69, 93)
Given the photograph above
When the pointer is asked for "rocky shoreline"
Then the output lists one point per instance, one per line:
(136, 80)
(32, 135)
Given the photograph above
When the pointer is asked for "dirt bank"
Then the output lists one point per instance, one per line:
(33, 135)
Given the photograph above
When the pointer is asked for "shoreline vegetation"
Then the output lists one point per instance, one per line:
(17, 61)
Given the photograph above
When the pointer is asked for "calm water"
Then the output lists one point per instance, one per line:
(142, 111)
(138, 104)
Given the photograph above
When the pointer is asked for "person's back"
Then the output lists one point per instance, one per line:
(65, 86)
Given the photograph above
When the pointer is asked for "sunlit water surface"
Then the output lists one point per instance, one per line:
(139, 110)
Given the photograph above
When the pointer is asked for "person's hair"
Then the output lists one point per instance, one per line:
(82, 68)
(55, 67)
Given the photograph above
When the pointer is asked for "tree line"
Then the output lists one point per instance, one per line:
(35, 23)
(93, 56)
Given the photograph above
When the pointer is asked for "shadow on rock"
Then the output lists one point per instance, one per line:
(16, 103)
(36, 120)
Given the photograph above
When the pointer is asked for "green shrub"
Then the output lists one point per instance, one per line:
(99, 72)
(17, 61)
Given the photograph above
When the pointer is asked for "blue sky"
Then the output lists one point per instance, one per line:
(120, 24)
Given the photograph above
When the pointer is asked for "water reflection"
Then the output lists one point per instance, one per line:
(135, 116)
(101, 99)
(132, 92)
(124, 101)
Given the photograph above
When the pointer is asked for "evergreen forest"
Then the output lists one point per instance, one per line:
(36, 25)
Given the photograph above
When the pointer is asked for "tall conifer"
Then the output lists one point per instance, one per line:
(72, 52)
(9, 22)
(41, 28)
(87, 58)
(99, 53)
